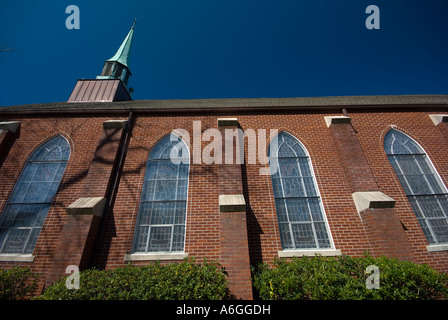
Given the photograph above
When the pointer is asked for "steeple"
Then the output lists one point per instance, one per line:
(112, 84)
(117, 67)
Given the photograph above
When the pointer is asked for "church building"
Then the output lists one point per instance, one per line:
(102, 180)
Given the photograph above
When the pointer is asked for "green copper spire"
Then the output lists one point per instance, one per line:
(123, 53)
(117, 67)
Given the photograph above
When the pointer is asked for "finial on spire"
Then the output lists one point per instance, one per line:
(135, 22)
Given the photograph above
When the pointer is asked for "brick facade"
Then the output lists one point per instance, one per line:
(345, 158)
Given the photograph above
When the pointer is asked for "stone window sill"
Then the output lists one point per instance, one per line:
(16, 258)
(309, 253)
(437, 247)
(155, 256)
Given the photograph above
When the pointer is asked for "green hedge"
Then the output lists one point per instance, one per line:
(178, 281)
(344, 278)
(17, 283)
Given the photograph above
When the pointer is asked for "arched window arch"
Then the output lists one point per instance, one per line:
(24, 214)
(421, 183)
(301, 218)
(161, 218)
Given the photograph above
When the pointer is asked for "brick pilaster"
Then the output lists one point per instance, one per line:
(385, 233)
(352, 156)
(79, 232)
(377, 211)
(233, 227)
(9, 132)
(441, 122)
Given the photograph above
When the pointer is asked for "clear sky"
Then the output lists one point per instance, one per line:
(187, 49)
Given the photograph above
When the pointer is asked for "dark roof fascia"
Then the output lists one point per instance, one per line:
(213, 106)
(263, 109)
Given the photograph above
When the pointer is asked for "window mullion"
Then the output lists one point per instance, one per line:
(428, 225)
(441, 206)
(431, 190)
(27, 239)
(424, 175)
(416, 197)
(177, 182)
(156, 180)
(397, 161)
(286, 205)
(172, 235)
(302, 179)
(149, 236)
(5, 240)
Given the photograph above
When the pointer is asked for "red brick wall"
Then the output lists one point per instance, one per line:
(383, 227)
(234, 245)
(386, 234)
(234, 253)
(345, 226)
(83, 135)
(203, 221)
(203, 218)
(371, 129)
(75, 245)
(352, 158)
(443, 127)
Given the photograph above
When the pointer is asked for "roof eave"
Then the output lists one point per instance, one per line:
(95, 109)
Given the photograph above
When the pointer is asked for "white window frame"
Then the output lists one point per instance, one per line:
(292, 252)
(162, 255)
(29, 257)
(431, 247)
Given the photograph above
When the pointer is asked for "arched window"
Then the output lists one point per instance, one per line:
(24, 214)
(300, 213)
(161, 216)
(422, 185)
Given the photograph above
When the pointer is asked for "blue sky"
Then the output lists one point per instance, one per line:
(188, 49)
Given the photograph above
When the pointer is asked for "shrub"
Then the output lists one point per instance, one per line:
(178, 281)
(344, 278)
(17, 283)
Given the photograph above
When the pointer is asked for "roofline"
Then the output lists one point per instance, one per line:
(235, 105)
